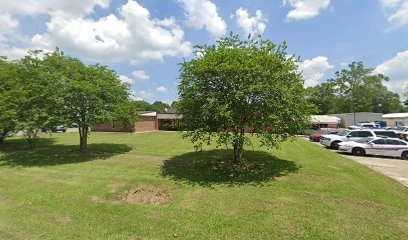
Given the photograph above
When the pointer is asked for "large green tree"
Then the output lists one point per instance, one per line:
(238, 85)
(357, 89)
(89, 94)
(38, 103)
(9, 98)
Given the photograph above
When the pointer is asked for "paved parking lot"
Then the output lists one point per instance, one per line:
(394, 168)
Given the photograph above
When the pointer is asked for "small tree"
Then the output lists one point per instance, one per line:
(89, 94)
(238, 85)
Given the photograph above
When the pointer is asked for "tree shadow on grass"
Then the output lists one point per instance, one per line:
(16, 152)
(214, 167)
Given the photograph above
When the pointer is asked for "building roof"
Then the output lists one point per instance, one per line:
(357, 113)
(168, 116)
(147, 114)
(395, 115)
(325, 119)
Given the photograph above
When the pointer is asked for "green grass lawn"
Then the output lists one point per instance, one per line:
(300, 191)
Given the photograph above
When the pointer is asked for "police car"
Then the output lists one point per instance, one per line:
(376, 146)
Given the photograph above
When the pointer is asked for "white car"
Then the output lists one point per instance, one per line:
(401, 131)
(332, 141)
(390, 147)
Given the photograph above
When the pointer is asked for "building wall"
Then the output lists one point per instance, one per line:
(107, 127)
(347, 119)
(145, 124)
(391, 122)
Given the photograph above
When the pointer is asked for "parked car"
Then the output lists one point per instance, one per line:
(376, 146)
(60, 129)
(315, 137)
(369, 125)
(404, 136)
(55, 129)
(400, 131)
(333, 141)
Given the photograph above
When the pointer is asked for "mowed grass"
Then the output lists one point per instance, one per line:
(300, 191)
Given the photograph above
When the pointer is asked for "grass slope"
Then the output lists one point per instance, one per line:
(300, 191)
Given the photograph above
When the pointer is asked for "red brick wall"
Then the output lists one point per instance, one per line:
(107, 127)
(145, 124)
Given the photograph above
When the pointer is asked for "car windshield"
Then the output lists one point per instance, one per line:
(343, 133)
(364, 140)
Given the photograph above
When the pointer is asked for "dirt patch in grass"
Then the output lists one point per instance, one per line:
(146, 194)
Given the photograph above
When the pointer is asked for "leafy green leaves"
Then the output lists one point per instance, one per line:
(238, 85)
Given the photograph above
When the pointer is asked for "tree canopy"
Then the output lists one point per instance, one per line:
(355, 89)
(238, 85)
(52, 89)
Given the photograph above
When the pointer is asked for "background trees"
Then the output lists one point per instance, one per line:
(355, 89)
(43, 92)
(236, 85)
(8, 98)
(157, 106)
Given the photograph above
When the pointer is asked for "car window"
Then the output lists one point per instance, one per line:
(365, 134)
(395, 142)
(343, 133)
(354, 134)
(379, 141)
(386, 133)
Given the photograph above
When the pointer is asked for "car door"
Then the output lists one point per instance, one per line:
(396, 147)
(376, 147)
(353, 136)
(357, 135)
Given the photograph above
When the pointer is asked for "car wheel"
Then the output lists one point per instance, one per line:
(404, 155)
(358, 151)
(335, 145)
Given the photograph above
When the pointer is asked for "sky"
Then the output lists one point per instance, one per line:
(145, 40)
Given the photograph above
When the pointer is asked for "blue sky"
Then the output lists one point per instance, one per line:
(145, 40)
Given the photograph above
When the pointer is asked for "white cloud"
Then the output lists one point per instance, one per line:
(203, 14)
(161, 89)
(396, 69)
(140, 75)
(37, 7)
(255, 25)
(131, 35)
(7, 26)
(141, 95)
(314, 70)
(125, 79)
(397, 12)
(304, 9)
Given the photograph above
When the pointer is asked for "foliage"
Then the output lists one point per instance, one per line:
(170, 127)
(355, 89)
(174, 104)
(160, 107)
(9, 98)
(89, 94)
(38, 105)
(236, 85)
(157, 106)
(143, 106)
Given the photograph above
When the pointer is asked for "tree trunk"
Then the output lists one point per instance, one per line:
(238, 149)
(83, 142)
